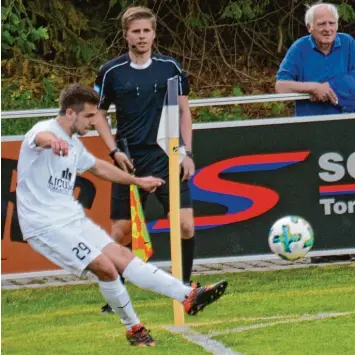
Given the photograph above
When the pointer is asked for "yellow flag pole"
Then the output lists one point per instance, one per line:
(174, 192)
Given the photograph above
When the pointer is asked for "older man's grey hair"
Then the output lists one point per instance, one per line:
(309, 17)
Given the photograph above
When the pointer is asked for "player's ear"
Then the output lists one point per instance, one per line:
(69, 113)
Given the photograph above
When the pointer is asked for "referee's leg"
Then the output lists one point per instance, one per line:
(121, 230)
(187, 242)
(186, 225)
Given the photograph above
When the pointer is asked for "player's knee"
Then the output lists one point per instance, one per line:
(119, 255)
(121, 231)
(103, 268)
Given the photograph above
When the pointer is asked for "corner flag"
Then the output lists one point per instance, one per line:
(141, 243)
(169, 120)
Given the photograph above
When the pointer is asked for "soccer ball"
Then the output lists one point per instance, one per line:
(291, 237)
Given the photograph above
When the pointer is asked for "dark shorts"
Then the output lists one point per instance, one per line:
(120, 200)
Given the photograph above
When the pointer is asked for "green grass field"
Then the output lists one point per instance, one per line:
(287, 312)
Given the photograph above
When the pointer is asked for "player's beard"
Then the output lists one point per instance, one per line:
(76, 130)
(82, 133)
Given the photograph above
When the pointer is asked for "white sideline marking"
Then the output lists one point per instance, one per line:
(217, 348)
(205, 341)
(243, 319)
(293, 320)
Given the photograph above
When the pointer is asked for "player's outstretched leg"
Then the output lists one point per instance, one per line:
(148, 276)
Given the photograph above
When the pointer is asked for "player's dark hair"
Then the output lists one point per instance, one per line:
(75, 96)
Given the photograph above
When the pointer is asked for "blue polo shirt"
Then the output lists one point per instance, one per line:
(305, 63)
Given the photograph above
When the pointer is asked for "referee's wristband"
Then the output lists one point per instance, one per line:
(189, 154)
(113, 152)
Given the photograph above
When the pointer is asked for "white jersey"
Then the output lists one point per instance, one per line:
(45, 181)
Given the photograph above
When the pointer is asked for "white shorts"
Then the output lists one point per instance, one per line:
(72, 247)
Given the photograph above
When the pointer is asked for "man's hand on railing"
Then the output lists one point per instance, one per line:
(323, 92)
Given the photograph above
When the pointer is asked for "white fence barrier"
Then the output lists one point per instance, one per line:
(232, 100)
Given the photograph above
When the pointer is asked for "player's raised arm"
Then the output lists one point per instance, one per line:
(49, 140)
(107, 171)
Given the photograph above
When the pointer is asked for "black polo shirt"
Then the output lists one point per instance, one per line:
(138, 93)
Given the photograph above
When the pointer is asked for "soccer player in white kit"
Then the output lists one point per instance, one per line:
(55, 225)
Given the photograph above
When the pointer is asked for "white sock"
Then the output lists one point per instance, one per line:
(117, 297)
(150, 277)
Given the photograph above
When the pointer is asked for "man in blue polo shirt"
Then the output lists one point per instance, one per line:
(321, 64)
(136, 82)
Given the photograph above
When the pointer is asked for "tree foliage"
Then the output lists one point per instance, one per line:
(223, 45)
(19, 34)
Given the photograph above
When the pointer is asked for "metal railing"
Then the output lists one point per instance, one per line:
(232, 100)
